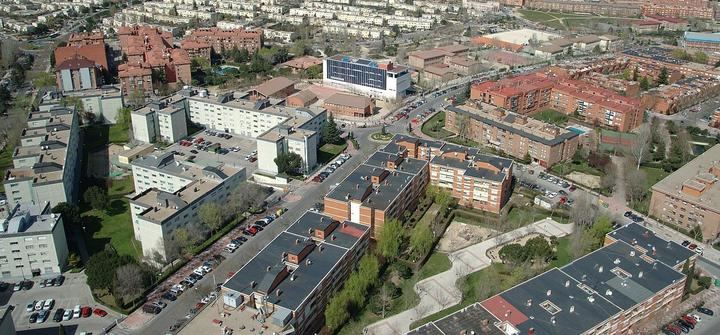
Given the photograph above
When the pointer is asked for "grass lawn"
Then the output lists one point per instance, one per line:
(466, 142)
(565, 168)
(437, 263)
(328, 152)
(653, 175)
(535, 16)
(562, 256)
(551, 116)
(434, 126)
(116, 134)
(6, 161)
(381, 137)
(112, 225)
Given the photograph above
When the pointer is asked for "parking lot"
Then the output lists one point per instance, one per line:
(231, 151)
(555, 189)
(74, 291)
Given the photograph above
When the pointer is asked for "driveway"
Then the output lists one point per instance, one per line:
(73, 292)
(440, 292)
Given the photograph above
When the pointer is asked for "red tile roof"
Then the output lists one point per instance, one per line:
(94, 52)
(503, 310)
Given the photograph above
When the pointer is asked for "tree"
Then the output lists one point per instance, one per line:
(538, 248)
(663, 76)
(641, 147)
(70, 213)
(136, 98)
(100, 268)
(330, 131)
(389, 238)
(421, 240)
(635, 185)
(314, 72)
(280, 56)
(700, 57)
(240, 55)
(513, 253)
(696, 233)
(96, 197)
(369, 269)
(644, 84)
(635, 74)
(336, 312)
(211, 215)
(44, 79)
(288, 163)
(245, 196)
(583, 213)
(129, 281)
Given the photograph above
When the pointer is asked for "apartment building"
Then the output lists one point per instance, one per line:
(649, 245)
(34, 242)
(149, 52)
(682, 94)
(46, 161)
(480, 7)
(707, 42)
(77, 74)
(104, 102)
(606, 7)
(366, 77)
(225, 40)
(513, 134)
(690, 196)
(344, 105)
(196, 49)
(169, 193)
(300, 135)
(524, 94)
(424, 58)
(477, 180)
(702, 9)
(90, 46)
(163, 120)
(291, 280)
(384, 187)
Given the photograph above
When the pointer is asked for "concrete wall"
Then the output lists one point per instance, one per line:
(144, 127)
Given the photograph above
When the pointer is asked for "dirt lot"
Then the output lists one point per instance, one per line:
(460, 235)
(584, 179)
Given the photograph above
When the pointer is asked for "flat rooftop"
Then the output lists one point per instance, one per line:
(534, 130)
(696, 170)
(263, 274)
(522, 36)
(28, 219)
(163, 205)
(474, 319)
(647, 242)
(167, 162)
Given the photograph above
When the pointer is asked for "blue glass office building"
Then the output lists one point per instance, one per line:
(357, 71)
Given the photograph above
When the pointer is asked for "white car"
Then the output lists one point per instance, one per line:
(231, 247)
(199, 271)
(30, 306)
(696, 317)
(206, 268)
(67, 315)
(699, 250)
(76, 311)
(39, 305)
(49, 304)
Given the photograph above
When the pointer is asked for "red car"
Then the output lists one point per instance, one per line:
(318, 179)
(689, 319)
(99, 312)
(85, 311)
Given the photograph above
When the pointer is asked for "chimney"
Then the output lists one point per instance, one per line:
(640, 274)
(552, 319)
(572, 308)
(268, 268)
(529, 302)
(600, 269)
(297, 241)
(549, 292)
(567, 283)
(308, 262)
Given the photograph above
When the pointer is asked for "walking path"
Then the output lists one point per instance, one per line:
(440, 291)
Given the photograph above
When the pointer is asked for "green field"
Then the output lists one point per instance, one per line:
(653, 175)
(328, 152)
(434, 127)
(562, 256)
(437, 263)
(551, 116)
(112, 225)
(564, 21)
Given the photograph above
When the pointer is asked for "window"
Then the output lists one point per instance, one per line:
(43, 246)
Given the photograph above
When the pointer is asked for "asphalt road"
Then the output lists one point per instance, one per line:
(310, 192)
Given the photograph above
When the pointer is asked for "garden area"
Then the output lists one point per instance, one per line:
(382, 135)
(551, 116)
(329, 151)
(435, 127)
(384, 283)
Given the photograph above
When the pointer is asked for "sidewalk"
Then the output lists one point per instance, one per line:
(439, 291)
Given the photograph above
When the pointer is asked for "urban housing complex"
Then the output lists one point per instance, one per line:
(169, 193)
(634, 277)
(34, 242)
(689, 198)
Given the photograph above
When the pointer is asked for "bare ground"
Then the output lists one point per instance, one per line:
(460, 235)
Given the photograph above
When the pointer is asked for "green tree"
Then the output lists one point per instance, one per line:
(259, 65)
(45, 79)
(288, 163)
(369, 268)
(336, 313)
(635, 74)
(538, 248)
(211, 215)
(96, 197)
(124, 119)
(199, 63)
(700, 57)
(663, 76)
(421, 240)
(644, 83)
(627, 74)
(389, 238)
(513, 253)
(100, 268)
(314, 72)
(70, 213)
(330, 131)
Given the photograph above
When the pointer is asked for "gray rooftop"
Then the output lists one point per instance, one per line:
(473, 319)
(344, 235)
(658, 248)
(696, 168)
(28, 218)
(358, 186)
(393, 146)
(263, 273)
(562, 137)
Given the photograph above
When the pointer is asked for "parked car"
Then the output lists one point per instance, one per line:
(151, 309)
(159, 304)
(187, 282)
(692, 246)
(49, 304)
(33, 318)
(43, 316)
(30, 306)
(199, 271)
(685, 243)
(689, 319)
(696, 317)
(39, 305)
(58, 315)
(76, 311)
(169, 296)
(27, 284)
(86, 311)
(67, 315)
(59, 280)
(194, 276)
(100, 312)
(231, 247)
(705, 311)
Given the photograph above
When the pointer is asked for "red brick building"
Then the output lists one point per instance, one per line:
(703, 9)
(148, 49)
(225, 40)
(85, 45)
(525, 94)
(342, 104)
